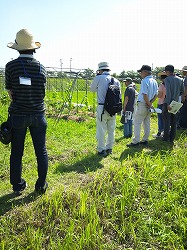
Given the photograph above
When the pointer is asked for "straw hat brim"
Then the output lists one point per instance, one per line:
(162, 74)
(20, 47)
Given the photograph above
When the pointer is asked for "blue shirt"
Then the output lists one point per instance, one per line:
(149, 87)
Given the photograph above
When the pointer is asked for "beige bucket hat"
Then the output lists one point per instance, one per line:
(24, 41)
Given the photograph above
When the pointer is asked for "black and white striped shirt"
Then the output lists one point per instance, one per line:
(26, 78)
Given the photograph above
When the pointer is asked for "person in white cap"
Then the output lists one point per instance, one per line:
(25, 80)
(105, 122)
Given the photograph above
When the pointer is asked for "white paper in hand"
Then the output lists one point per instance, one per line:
(175, 106)
(155, 110)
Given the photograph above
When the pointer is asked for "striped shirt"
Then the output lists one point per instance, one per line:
(26, 78)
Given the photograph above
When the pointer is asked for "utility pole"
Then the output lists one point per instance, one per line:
(61, 64)
(70, 64)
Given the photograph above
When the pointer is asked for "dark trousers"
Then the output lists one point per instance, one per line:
(128, 128)
(37, 126)
(160, 119)
(170, 124)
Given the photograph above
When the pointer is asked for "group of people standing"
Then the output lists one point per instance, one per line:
(171, 89)
(25, 81)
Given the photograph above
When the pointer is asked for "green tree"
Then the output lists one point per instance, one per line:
(122, 75)
(156, 71)
(88, 74)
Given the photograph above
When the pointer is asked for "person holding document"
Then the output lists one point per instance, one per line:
(174, 88)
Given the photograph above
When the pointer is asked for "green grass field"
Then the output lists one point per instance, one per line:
(134, 199)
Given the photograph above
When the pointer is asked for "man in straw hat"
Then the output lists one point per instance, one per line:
(161, 96)
(25, 80)
(105, 122)
(184, 72)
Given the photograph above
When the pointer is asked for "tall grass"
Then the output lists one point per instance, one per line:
(133, 199)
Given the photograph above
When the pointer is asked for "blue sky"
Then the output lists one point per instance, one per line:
(126, 33)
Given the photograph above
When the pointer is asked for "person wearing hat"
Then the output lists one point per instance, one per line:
(161, 96)
(128, 107)
(25, 80)
(105, 123)
(174, 89)
(146, 97)
(184, 72)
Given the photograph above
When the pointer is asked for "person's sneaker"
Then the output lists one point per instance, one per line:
(132, 144)
(145, 143)
(102, 153)
(157, 135)
(41, 190)
(109, 151)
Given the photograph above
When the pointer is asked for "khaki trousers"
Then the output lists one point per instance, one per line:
(142, 116)
(105, 130)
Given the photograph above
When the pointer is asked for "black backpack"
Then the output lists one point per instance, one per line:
(6, 132)
(113, 101)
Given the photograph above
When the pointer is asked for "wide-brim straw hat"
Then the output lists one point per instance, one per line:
(162, 74)
(24, 41)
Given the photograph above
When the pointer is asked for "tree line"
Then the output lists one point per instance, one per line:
(89, 74)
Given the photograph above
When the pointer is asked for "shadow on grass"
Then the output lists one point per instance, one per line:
(154, 146)
(8, 201)
(88, 164)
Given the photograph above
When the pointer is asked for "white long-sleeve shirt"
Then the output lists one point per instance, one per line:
(100, 85)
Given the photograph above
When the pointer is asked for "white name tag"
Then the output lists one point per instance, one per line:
(25, 80)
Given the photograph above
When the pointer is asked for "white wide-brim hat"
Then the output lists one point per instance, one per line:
(24, 41)
(103, 65)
